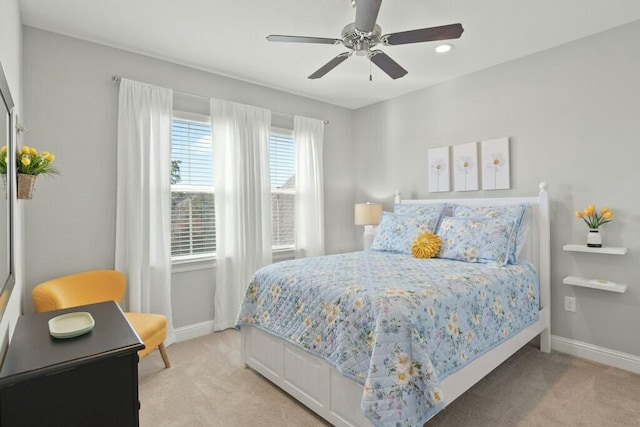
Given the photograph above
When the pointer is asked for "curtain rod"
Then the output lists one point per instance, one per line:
(116, 79)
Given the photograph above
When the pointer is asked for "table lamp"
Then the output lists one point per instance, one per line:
(368, 214)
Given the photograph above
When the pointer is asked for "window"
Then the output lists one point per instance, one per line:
(193, 226)
(283, 188)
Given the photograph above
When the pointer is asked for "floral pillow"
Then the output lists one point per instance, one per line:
(513, 212)
(396, 232)
(485, 240)
(419, 208)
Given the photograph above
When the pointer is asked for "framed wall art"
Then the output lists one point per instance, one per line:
(439, 171)
(465, 167)
(495, 164)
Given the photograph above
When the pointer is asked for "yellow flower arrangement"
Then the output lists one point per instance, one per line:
(29, 161)
(594, 219)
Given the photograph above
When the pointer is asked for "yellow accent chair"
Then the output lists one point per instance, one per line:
(97, 286)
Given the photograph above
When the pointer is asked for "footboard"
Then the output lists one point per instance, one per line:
(321, 388)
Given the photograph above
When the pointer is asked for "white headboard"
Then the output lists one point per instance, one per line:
(537, 247)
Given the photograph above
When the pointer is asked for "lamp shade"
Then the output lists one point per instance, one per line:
(367, 213)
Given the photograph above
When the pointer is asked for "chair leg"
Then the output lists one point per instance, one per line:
(165, 357)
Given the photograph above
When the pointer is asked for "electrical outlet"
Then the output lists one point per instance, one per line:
(570, 304)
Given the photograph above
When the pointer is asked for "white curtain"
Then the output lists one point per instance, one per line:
(143, 207)
(243, 202)
(308, 134)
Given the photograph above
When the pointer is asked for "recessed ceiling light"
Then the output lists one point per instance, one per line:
(444, 48)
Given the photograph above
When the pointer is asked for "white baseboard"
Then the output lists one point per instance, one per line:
(196, 330)
(606, 356)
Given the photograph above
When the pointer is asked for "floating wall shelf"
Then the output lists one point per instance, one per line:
(603, 250)
(604, 285)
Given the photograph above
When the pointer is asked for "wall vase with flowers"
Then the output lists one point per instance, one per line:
(594, 220)
(29, 164)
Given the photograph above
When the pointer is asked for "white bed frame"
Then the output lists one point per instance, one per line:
(320, 387)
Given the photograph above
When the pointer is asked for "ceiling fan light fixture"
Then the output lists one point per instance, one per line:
(444, 48)
(361, 47)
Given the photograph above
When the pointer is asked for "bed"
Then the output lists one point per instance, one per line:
(381, 338)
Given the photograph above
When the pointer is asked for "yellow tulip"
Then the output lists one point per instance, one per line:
(25, 161)
(34, 152)
(604, 210)
(24, 150)
(44, 154)
(588, 211)
(50, 157)
(4, 149)
(607, 215)
(579, 214)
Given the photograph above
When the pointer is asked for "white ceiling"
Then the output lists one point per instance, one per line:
(228, 36)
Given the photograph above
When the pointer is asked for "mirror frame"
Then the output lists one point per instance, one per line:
(8, 282)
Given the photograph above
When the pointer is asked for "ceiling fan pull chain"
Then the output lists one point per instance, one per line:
(370, 76)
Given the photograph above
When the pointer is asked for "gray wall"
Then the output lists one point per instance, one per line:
(71, 110)
(11, 59)
(573, 118)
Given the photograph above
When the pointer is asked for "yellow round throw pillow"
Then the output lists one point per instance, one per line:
(425, 245)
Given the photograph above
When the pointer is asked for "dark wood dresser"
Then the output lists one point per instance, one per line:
(89, 380)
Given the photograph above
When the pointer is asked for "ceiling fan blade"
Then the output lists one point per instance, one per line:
(445, 32)
(330, 65)
(366, 14)
(386, 64)
(302, 39)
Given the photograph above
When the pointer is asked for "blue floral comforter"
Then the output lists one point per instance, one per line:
(396, 324)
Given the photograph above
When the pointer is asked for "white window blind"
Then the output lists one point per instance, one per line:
(283, 196)
(193, 227)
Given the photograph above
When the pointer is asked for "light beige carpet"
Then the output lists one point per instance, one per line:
(206, 386)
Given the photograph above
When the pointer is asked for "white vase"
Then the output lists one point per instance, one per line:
(594, 238)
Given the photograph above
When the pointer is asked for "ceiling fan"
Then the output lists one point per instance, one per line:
(363, 34)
